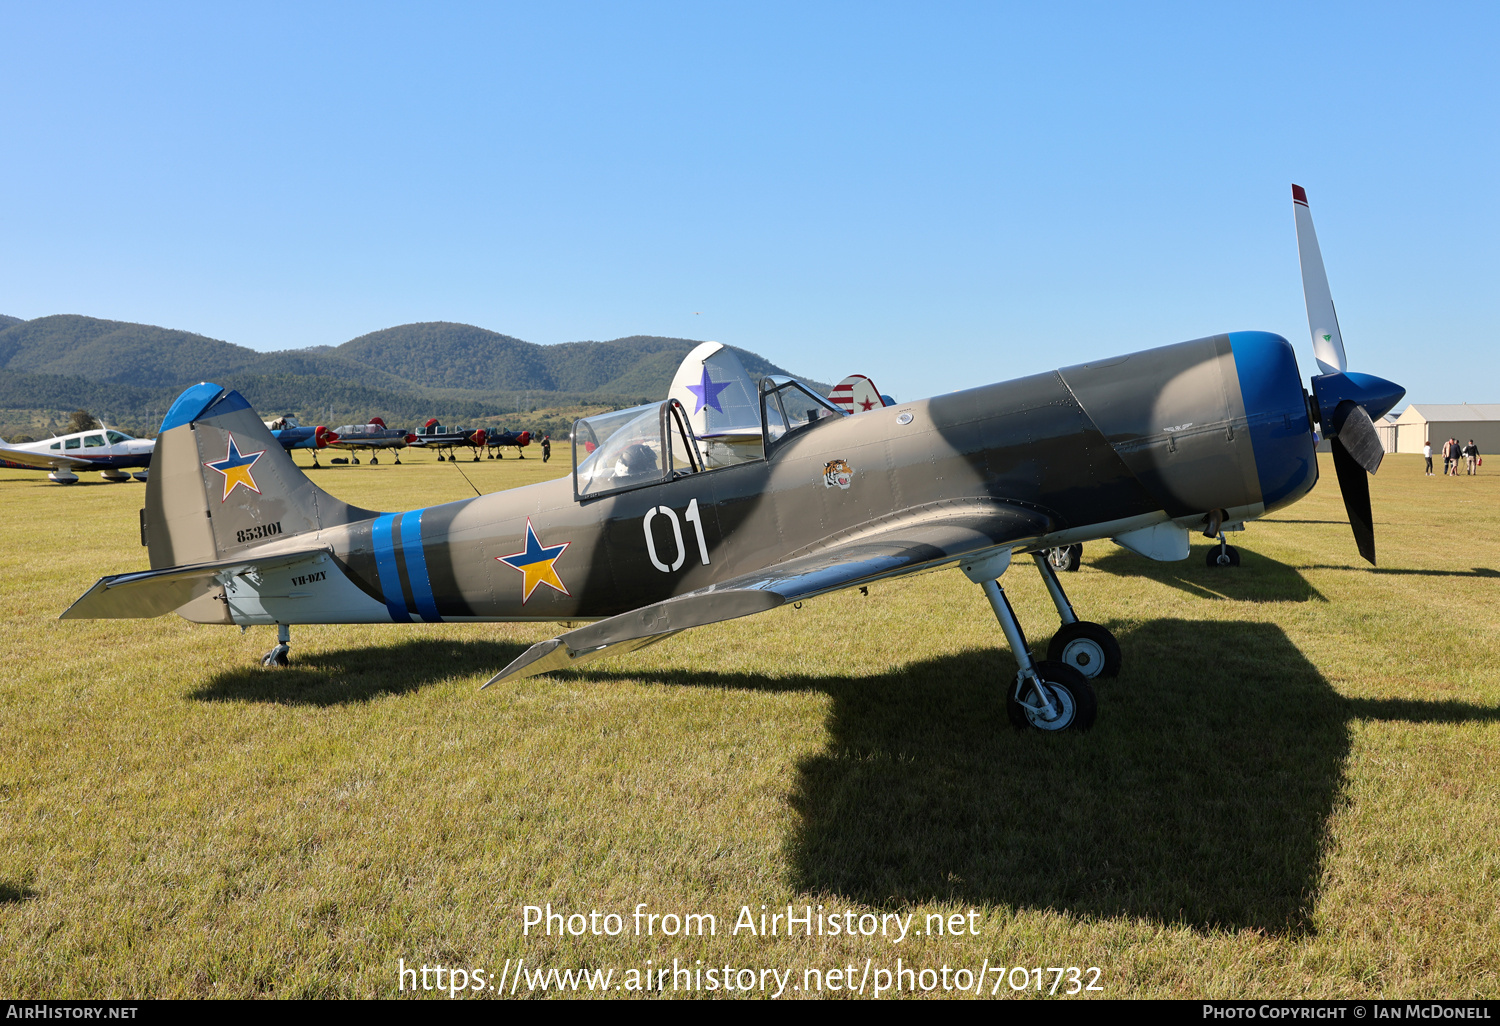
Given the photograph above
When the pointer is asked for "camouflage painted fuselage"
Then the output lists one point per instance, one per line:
(1091, 451)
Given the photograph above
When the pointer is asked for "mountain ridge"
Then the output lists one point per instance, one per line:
(431, 368)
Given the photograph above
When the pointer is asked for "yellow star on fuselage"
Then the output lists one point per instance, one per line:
(537, 563)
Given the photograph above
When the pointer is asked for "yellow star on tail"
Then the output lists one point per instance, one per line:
(236, 468)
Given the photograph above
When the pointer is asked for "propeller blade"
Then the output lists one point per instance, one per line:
(1328, 344)
(1354, 483)
(1356, 433)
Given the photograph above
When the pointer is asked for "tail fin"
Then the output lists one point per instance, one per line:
(220, 482)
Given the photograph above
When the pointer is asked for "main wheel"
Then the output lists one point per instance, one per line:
(354, 460)
(1087, 648)
(276, 657)
(1229, 557)
(374, 461)
(1072, 705)
(1065, 558)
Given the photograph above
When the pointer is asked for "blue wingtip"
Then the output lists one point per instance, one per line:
(189, 405)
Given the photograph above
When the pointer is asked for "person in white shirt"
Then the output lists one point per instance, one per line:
(1427, 452)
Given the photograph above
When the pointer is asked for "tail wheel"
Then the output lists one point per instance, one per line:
(1087, 648)
(1068, 705)
(1065, 558)
(1230, 556)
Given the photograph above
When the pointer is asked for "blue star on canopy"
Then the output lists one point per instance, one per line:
(707, 392)
(235, 467)
(537, 563)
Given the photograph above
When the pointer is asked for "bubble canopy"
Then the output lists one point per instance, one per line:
(632, 448)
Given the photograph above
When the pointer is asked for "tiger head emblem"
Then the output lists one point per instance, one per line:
(837, 473)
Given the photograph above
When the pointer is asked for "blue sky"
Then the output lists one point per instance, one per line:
(937, 195)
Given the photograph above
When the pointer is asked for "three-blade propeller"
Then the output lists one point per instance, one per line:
(1346, 403)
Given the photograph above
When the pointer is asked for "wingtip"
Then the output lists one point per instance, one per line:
(1299, 194)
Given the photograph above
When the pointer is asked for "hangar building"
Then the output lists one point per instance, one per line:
(1440, 421)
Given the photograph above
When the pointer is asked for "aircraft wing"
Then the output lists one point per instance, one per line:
(156, 592)
(47, 460)
(933, 537)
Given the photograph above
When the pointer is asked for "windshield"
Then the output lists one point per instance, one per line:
(617, 450)
(789, 407)
(630, 448)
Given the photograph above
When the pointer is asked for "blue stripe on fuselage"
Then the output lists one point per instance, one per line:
(383, 538)
(1276, 408)
(416, 566)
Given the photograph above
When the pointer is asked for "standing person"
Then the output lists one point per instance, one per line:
(546, 448)
(1471, 457)
(1448, 457)
(1427, 454)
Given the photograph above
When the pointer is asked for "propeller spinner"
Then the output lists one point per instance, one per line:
(1346, 403)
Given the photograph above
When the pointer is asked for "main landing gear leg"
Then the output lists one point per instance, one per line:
(1087, 647)
(278, 655)
(1046, 695)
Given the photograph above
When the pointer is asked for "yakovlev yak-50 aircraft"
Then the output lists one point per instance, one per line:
(517, 440)
(745, 495)
(371, 437)
(293, 435)
(433, 435)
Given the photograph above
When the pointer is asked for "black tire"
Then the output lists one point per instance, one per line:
(354, 460)
(1231, 557)
(1088, 648)
(1065, 558)
(374, 461)
(1070, 689)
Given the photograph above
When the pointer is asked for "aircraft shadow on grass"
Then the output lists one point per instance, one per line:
(1257, 579)
(1201, 797)
(350, 676)
(14, 892)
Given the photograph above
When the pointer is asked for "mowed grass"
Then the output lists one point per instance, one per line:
(1291, 789)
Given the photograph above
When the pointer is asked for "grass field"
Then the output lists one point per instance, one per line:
(1293, 789)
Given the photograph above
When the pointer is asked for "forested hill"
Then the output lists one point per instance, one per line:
(447, 369)
(435, 355)
(443, 355)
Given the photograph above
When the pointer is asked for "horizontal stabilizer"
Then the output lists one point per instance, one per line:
(938, 535)
(158, 592)
(44, 460)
